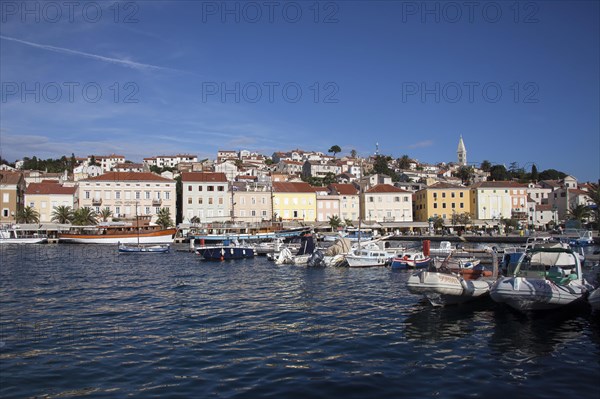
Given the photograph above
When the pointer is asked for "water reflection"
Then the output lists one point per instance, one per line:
(535, 334)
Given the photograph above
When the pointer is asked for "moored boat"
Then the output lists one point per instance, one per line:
(411, 260)
(544, 278)
(16, 236)
(144, 249)
(444, 287)
(227, 251)
(118, 233)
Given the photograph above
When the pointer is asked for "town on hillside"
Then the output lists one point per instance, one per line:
(295, 187)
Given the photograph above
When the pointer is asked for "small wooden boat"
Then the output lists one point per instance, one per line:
(144, 249)
(411, 260)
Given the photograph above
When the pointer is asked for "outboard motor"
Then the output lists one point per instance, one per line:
(316, 259)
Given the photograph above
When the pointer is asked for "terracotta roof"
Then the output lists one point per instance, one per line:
(10, 177)
(292, 187)
(129, 176)
(499, 184)
(578, 191)
(543, 207)
(344, 189)
(49, 188)
(385, 188)
(442, 186)
(206, 177)
(129, 165)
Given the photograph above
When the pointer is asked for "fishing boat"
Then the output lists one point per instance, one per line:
(594, 299)
(546, 277)
(226, 251)
(443, 287)
(411, 260)
(118, 233)
(16, 236)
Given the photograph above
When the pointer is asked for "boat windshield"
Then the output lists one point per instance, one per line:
(540, 263)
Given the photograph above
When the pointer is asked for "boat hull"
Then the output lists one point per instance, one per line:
(442, 289)
(398, 263)
(38, 240)
(359, 261)
(222, 252)
(153, 237)
(526, 294)
(140, 249)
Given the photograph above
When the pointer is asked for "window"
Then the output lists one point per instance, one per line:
(147, 210)
(147, 194)
(435, 206)
(253, 213)
(462, 205)
(190, 188)
(189, 201)
(371, 199)
(87, 195)
(210, 201)
(264, 213)
(200, 201)
(167, 195)
(443, 195)
(406, 199)
(117, 195)
(221, 201)
(138, 195)
(444, 205)
(295, 214)
(453, 205)
(461, 195)
(199, 188)
(117, 210)
(396, 199)
(5, 197)
(157, 209)
(220, 188)
(210, 188)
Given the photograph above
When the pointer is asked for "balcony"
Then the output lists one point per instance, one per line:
(97, 201)
(156, 202)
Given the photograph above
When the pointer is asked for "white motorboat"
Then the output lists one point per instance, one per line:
(450, 288)
(444, 249)
(16, 236)
(546, 277)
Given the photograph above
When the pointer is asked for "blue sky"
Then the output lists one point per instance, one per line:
(520, 83)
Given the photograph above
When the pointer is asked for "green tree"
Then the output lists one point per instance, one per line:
(178, 199)
(534, 174)
(28, 215)
(195, 220)
(268, 161)
(465, 174)
(93, 161)
(329, 179)
(62, 214)
(335, 149)
(105, 213)
(579, 212)
(348, 223)
(552, 174)
(164, 218)
(335, 222)
(438, 223)
(498, 173)
(85, 216)
(353, 153)
(404, 162)
(485, 165)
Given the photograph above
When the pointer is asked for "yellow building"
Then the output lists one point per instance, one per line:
(441, 200)
(12, 191)
(294, 201)
(44, 197)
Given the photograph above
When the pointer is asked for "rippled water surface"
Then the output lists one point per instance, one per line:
(79, 320)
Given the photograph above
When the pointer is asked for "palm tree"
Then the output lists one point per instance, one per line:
(348, 222)
(195, 220)
(579, 212)
(335, 222)
(84, 216)
(28, 215)
(62, 214)
(164, 218)
(105, 214)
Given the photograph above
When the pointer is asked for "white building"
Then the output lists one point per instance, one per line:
(386, 203)
(107, 162)
(206, 196)
(122, 192)
(170, 161)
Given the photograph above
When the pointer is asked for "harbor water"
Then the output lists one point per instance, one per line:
(84, 321)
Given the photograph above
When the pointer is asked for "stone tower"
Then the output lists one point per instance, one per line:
(461, 152)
